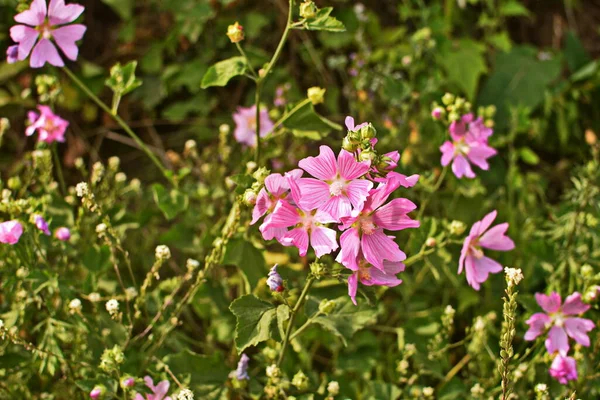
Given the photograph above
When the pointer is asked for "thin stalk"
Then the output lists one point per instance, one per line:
(282, 120)
(305, 325)
(121, 123)
(243, 53)
(58, 168)
(437, 185)
(257, 128)
(288, 331)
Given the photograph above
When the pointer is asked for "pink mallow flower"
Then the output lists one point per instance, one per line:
(245, 125)
(369, 276)
(10, 232)
(308, 224)
(350, 124)
(51, 128)
(467, 146)
(337, 189)
(472, 258)
(41, 224)
(563, 369)
(48, 23)
(158, 392)
(559, 318)
(364, 229)
(276, 189)
(63, 234)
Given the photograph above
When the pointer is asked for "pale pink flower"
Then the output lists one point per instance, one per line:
(158, 392)
(48, 23)
(472, 258)
(50, 127)
(364, 228)
(337, 188)
(276, 189)
(369, 276)
(245, 125)
(350, 124)
(309, 225)
(63, 234)
(563, 369)
(558, 318)
(10, 232)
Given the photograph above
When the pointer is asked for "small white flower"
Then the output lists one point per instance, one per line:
(114, 162)
(94, 297)
(192, 264)
(185, 394)
(131, 292)
(513, 276)
(449, 310)
(541, 388)
(333, 388)
(162, 252)
(75, 306)
(101, 228)
(135, 184)
(1, 324)
(82, 189)
(428, 391)
(120, 177)
(477, 390)
(479, 324)
(190, 145)
(224, 129)
(112, 306)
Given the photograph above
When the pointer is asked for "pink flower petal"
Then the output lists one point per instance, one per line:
(357, 191)
(269, 232)
(471, 272)
(353, 287)
(557, 341)
(496, 239)
(349, 123)
(26, 37)
(160, 391)
(461, 167)
(537, 325)
(10, 232)
(481, 226)
(284, 215)
(392, 216)
(350, 246)
(447, 150)
(479, 153)
(45, 52)
(573, 305)
(297, 237)
(337, 207)
(463, 253)
(36, 14)
(314, 193)
(563, 369)
(384, 278)
(550, 303)
(577, 328)
(378, 247)
(276, 184)
(66, 37)
(349, 168)
(323, 167)
(323, 240)
(60, 14)
(263, 202)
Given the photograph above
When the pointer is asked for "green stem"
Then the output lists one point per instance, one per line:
(305, 325)
(257, 129)
(287, 116)
(288, 331)
(243, 53)
(286, 32)
(59, 171)
(437, 185)
(122, 123)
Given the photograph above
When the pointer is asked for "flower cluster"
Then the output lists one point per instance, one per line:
(348, 192)
(560, 321)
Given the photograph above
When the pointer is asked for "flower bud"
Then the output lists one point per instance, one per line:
(308, 9)
(300, 381)
(327, 306)
(367, 155)
(41, 224)
(75, 306)
(437, 113)
(457, 228)
(127, 382)
(587, 271)
(274, 280)
(273, 372)
(368, 131)
(316, 95)
(430, 242)
(333, 388)
(97, 392)
(448, 99)
(162, 252)
(250, 197)
(349, 145)
(12, 54)
(63, 234)
(235, 32)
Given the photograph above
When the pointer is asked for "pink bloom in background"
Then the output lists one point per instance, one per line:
(41, 224)
(350, 124)
(337, 187)
(364, 229)
(159, 391)
(48, 23)
(276, 189)
(63, 234)
(50, 127)
(308, 225)
(245, 125)
(369, 276)
(12, 54)
(563, 369)
(468, 146)
(10, 232)
(96, 392)
(559, 319)
(472, 258)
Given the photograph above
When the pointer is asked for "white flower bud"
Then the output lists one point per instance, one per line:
(82, 189)
(162, 252)
(112, 306)
(75, 306)
(333, 388)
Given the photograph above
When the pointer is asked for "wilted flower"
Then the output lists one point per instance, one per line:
(50, 127)
(49, 23)
(274, 280)
(10, 232)
(241, 373)
(12, 54)
(63, 234)
(245, 125)
(41, 224)
(563, 369)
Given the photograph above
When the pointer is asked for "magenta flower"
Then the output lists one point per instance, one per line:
(350, 124)
(337, 188)
(369, 276)
(563, 369)
(51, 128)
(48, 23)
(158, 392)
(274, 280)
(472, 258)
(468, 145)
(309, 224)
(558, 318)
(63, 234)
(245, 125)
(41, 224)
(10, 232)
(276, 189)
(12, 54)
(365, 229)
(97, 392)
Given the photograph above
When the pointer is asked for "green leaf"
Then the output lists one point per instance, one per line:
(529, 156)
(96, 259)
(575, 53)
(324, 22)
(501, 41)
(220, 73)
(247, 258)
(586, 72)
(346, 319)
(305, 121)
(464, 64)
(204, 372)
(170, 203)
(514, 9)
(255, 320)
(122, 78)
(124, 8)
(283, 314)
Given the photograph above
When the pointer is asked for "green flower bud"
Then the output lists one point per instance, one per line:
(318, 269)
(235, 32)
(368, 155)
(260, 175)
(300, 381)
(457, 228)
(308, 10)
(327, 306)
(349, 145)
(587, 271)
(250, 197)
(448, 99)
(316, 95)
(368, 131)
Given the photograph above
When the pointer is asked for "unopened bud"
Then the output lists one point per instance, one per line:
(457, 228)
(430, 242)
(327, 306)
(300, 381)
(97, 392)
(437, 113)
(448, 99)
(367, 155)
(368, 131)
(235, 32)
(250, 197)
(308, 10)
(349, 145)
(316, 95)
